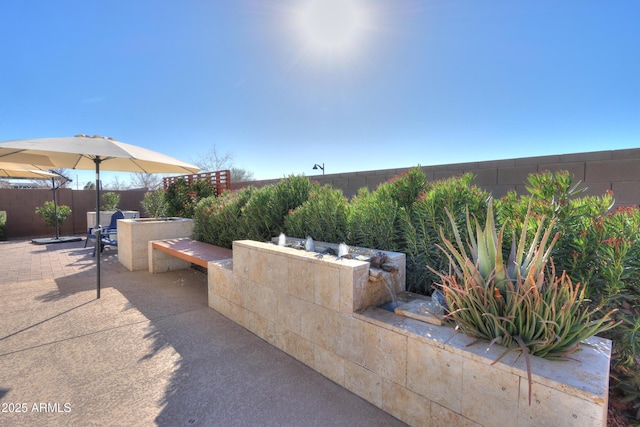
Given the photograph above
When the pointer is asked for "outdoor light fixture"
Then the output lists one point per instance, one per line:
(317, 166)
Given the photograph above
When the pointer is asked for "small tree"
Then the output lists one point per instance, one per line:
(154, 204)
(240, 175)
(213, 160)
(111, 201)
(117, 184)
(48, 214)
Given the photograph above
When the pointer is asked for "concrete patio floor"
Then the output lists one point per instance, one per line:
(148, 352)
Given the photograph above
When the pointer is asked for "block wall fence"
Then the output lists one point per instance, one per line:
(22, 221)
(614, 170)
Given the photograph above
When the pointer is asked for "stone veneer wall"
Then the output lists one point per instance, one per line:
(322, 313)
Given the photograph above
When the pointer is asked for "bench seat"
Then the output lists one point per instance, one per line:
(163, 254)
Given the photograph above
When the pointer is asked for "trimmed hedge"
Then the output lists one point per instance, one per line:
(250, 213)
(3, 225)
(323, 216)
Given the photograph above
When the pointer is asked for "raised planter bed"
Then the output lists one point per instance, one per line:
(134, 236)
(324, 312)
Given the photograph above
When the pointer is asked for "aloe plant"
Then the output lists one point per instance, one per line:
(486, 262)
(520, 302)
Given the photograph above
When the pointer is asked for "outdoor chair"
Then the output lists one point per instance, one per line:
(112, 224)
(108, 235)
(109, 238)
(90, 235)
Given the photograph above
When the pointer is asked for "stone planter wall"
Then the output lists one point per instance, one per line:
(134, 236)
(425, 375)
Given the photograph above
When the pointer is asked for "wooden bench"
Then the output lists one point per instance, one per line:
(163, 254)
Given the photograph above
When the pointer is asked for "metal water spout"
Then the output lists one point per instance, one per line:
(343, 250)
(309, 246)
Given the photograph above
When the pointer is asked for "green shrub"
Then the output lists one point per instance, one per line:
(182, 197)
(618, 273)
(406, 188)
(625, 364)
(3, 225)
(597, 247)
(615, 282)
(265, 211)
(323, 216)
(421, 226)
(48, 213)
(110, 201)
(251, 213)
(219, 220)
(555, 196)
(372, 220)
(154, 204)
(375, 217)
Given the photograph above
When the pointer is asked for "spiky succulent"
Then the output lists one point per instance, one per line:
(522, 300)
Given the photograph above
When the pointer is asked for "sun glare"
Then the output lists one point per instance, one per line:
(332, 28)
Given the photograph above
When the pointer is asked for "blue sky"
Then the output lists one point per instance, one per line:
(356, 85)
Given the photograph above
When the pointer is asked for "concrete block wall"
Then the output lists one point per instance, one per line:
(21, 204)
(613, 170)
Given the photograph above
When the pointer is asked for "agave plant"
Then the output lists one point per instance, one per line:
(521, 301)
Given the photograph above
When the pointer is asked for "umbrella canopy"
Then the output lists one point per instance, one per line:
(83, 152)
(29, 161)
(17, 170)
(91, 152)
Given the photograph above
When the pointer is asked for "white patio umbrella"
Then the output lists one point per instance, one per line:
(91, 152)
(18, 170)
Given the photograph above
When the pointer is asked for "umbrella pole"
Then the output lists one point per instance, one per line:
(55, 207)
(54, 187)
(97, 227)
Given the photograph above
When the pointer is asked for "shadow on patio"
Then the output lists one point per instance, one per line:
(150, 351)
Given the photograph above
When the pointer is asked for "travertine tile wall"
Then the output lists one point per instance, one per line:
(134, 237)
(423, 374)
